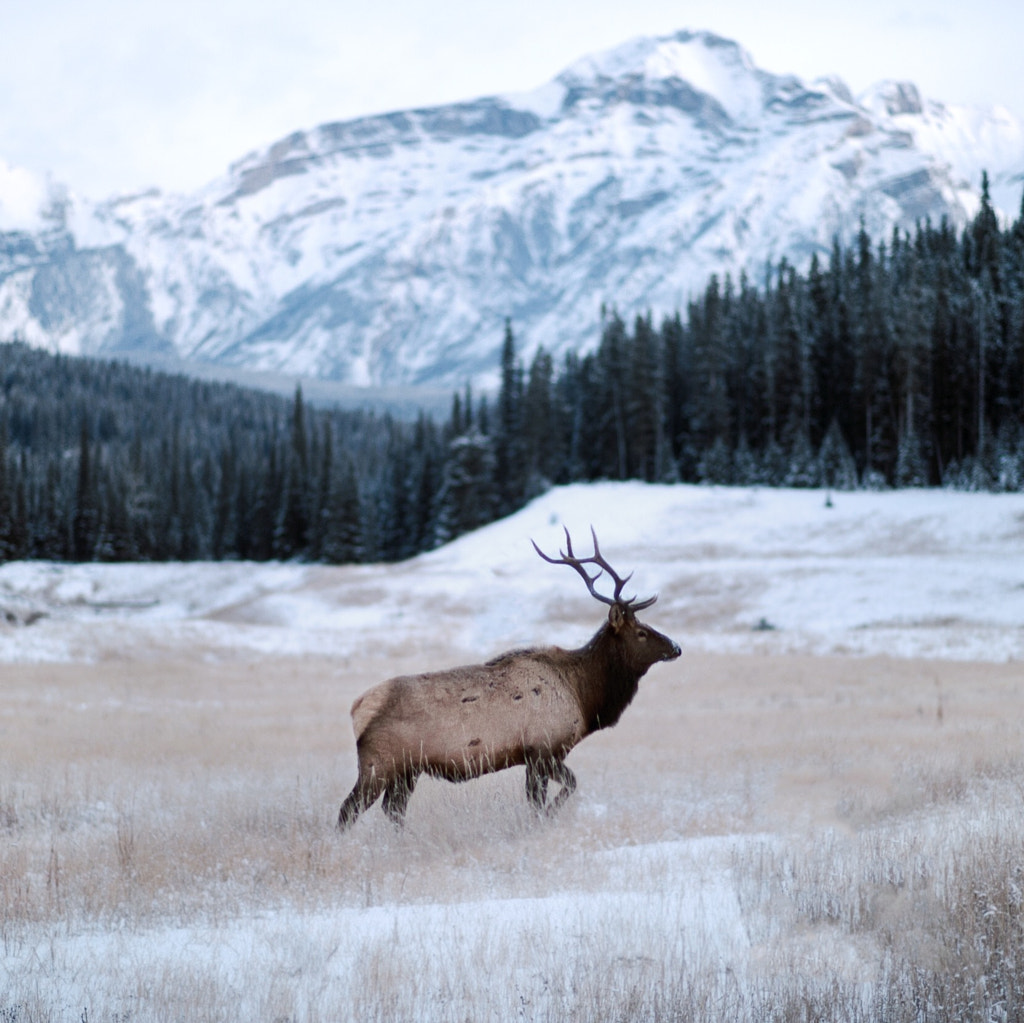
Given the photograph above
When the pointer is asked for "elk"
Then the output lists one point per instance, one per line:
(529, 706)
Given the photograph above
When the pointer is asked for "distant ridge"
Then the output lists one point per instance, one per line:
(390, 249)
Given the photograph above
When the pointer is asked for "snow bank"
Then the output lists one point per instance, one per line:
(906, 573)
(413, 960)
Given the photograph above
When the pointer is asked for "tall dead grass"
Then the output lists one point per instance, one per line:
(167, 851)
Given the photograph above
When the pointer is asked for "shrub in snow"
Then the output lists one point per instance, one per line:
(715, 465)
(745, 468)
(911, 470)
(873, 480)
(773, 465)
(836, 466)
(804, 469)
(1008, 458)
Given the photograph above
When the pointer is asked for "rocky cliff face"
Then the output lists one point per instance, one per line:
(390, 249)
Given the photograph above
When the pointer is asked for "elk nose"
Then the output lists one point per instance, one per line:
(673, 653)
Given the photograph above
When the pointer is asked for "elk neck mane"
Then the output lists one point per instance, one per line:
(602, 681)
(605, 682)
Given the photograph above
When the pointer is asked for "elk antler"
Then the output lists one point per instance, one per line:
(568, 558)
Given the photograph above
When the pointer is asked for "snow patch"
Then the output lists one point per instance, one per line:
(922, 573)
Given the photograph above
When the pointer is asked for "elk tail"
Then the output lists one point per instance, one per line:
(366, 708)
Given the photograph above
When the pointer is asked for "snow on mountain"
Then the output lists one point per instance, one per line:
(23, 199)
(969, 140)
(391, 248)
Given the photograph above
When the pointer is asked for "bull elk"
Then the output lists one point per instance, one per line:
(527, 707)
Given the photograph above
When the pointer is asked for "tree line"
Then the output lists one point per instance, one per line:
(106, 461)
(896, 363)
(892, 363)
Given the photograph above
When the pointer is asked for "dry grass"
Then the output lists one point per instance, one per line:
(167, 851)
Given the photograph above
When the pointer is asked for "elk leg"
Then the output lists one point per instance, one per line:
(363, 795)
(396, 797)
(561, 774)
(536, 784)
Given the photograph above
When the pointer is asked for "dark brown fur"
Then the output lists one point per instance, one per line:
(523, 707)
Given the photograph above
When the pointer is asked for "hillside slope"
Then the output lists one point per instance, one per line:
(903, 573)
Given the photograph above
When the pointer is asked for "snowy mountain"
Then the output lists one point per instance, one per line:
(391, 248)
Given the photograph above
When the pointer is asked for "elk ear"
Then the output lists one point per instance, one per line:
(617, 617)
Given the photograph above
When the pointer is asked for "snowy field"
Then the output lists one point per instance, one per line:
(918, 573)
(813, 814)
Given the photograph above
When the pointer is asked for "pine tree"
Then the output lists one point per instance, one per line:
(397, 513)
(320, 510)
(645, 405)
(86, 517)
(716, 464)
(8, 544)
(225, 536)
(836, 467)
(710, 416)
(1014, 305)
(947, 411)
(745, 468)
(18, 536)
(792, 378)
(1009, 457)
(466, 499)
(266, 504)
(116, 541)
(868, 344)
(803, 469)
(424, 482)
(244, 546)
(291, 537)
(456, 424)
(612, 372)
(985, 239)
(746, 333)
(676, 376)
(911, 467)
(910, 332)
(510, 470)
(539, 426)
(188, 532)
(342, 541)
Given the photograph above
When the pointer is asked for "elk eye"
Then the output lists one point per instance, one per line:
(641, 634)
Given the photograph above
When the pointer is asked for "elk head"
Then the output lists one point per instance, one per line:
(641, 646)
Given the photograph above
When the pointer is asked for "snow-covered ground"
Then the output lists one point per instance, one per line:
(174, 745)
(507, 958)
(908, 573)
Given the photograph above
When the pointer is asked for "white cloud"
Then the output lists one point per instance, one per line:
(23, 197)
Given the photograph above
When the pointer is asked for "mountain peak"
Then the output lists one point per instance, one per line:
(686, 55)
(705, 64)
(890, 99)
(391, 248)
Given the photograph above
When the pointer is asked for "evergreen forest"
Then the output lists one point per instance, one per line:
(894, 362)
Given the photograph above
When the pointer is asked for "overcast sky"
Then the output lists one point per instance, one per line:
(111, 96)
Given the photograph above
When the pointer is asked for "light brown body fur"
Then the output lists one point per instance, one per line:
(521, 695)
(525, 707)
